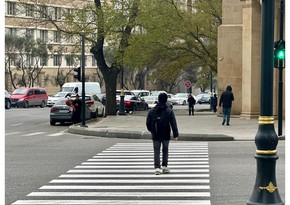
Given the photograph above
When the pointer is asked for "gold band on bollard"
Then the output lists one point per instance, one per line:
(266, 151)
(266, 120)
(270, 188)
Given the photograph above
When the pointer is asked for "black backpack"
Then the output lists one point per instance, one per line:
(160, 122)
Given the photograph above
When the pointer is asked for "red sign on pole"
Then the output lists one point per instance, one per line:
(187, 84)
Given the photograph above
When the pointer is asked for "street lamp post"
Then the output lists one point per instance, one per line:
(265, 188)
(83, 83)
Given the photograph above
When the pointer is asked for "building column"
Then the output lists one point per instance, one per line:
(251, 51)
(230, 42)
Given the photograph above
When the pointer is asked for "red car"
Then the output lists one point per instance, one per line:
(26, 97)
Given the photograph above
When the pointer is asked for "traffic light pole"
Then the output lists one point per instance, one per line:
(83, 83)
(280, 85)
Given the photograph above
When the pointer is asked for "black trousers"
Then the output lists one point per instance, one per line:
(191, 110)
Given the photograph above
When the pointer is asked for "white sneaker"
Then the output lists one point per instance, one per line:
(157, 171)
(165, 170)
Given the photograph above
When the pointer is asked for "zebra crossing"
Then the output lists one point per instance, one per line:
(124, 174)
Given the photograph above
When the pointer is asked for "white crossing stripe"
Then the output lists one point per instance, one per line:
(126, 194)
(132, 175)
(125, 187)
(145, 163)
(132, 181)
(124, 174)
(139, 166)
(32, 134)
(56, 134)
(110, 202)
(136, 171)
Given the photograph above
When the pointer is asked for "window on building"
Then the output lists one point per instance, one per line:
(29, 10)
(30, 32)
(56, 36)
(69, 60)
(56, 60)
(57, 13)
(43, 60)
(29, 60)
(43, 35)
(11, 8)
(43, 11)
(11, 31)
(94, 62)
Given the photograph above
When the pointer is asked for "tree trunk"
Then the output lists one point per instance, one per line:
(110, 78)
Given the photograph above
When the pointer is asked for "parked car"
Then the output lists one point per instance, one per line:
(7, 100)
(180, 98)
(52, 99)
(132, 103)
(151, 101)
(141, 93)
(60, 112)
(102, 97)
(26, 97)
(204, 99)
(94, 104)
(126, 92)
(170, 98)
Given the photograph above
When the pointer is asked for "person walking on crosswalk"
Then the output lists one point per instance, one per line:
(160, 121)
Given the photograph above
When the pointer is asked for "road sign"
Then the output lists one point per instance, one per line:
(187, 84)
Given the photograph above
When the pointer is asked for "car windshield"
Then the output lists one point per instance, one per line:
(67, 89)
(60, 94)
(20, 91)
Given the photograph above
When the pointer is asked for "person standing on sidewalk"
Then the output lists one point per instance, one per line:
(191, 102)
(226, 102)
(77, 105)
(214, 103)
(160, 120)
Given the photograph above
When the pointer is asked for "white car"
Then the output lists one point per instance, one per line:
(151, 101)
(52, 99)
(94, 104)
(180, 98)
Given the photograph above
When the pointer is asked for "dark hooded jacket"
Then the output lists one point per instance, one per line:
(160, 107)
(226, 98)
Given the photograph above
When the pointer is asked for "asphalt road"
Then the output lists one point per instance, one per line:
(36, 153)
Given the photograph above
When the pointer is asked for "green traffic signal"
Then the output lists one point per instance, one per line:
(281, 50)
(281, 54)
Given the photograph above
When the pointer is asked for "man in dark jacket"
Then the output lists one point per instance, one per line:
(226, 101)
(191, 102)
(161, 132)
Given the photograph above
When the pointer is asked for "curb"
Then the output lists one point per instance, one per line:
(143, 134)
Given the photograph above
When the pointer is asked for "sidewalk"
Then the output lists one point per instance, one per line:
(203, 126)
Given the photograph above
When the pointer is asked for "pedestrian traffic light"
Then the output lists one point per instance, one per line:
(281, 50)
(77, 75)
(279, 54)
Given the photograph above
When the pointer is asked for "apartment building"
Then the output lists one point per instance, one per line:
(26, 17)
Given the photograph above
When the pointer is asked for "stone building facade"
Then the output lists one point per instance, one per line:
(22, 16)
(239, 55)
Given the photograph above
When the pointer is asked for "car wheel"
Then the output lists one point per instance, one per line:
(42, 104)
(26, 104)
(184, 103)
(52, 122)
(146, 107)
(8, 106)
